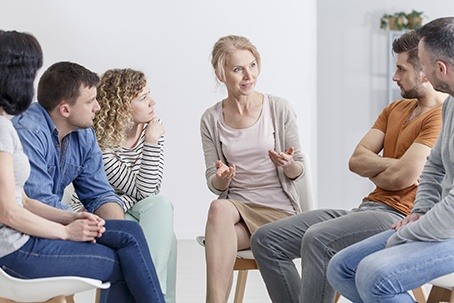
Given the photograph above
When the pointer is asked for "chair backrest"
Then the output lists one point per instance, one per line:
(44, 289)
(304, 187)
(69, 190)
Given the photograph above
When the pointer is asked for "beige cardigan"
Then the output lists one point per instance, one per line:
(286, 135)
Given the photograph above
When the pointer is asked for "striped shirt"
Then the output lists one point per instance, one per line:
(134, 173)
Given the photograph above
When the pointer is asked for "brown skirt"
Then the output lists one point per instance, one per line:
(255, 215)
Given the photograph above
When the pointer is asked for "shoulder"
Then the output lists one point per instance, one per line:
(398, 108)
(31, 119)
(212, 110)
(449, 103)
(5, 124)
(278, 102)
(280, 108)
(34, 126)
(8, 136)
(403, 104)
(211, 114)
(85, 136)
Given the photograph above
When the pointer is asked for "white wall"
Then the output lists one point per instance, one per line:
(171, 42)
(351, 86)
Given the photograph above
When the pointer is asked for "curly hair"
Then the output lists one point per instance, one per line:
(116, 90)
(224, 47)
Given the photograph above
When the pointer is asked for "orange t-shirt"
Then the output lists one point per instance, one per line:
(400, 134)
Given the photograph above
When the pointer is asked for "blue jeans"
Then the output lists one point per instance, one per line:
(155, 216)
(313, 236)
(120, 256)
(369, 272)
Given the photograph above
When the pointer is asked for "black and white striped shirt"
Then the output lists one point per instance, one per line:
(134, 173)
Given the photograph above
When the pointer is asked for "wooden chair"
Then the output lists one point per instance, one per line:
(442, 289)
(245, 259)
(419, 294)
(54, 289)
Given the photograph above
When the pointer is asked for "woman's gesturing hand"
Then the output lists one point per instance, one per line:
(225, 172)
(282, 159)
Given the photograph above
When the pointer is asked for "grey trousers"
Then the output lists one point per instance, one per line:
(315, 237)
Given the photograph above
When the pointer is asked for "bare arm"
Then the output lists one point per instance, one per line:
(365, 160)
(48, 212)
(110, 211)
(405, 171)
(82, 228)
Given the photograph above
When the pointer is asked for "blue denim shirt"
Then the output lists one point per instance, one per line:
(53, 167)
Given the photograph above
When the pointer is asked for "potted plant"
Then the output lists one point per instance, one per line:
(414, 19)
(395, 21)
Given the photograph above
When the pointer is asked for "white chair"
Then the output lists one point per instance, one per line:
(442, 289)
(245, 259)
(54, 289)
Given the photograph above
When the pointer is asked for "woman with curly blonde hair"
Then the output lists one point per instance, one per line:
(131, 138)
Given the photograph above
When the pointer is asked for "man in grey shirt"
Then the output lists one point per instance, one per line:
(420, 247)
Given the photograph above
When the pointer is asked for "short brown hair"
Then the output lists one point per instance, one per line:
(62, 81)
(408, 43)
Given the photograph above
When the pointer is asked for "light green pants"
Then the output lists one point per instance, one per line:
(155, 215)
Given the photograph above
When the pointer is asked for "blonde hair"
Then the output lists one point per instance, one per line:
(224, 47)
(118, 87)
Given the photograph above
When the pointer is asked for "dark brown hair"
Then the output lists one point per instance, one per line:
(21, 57)
(408, 42)
(62, 81)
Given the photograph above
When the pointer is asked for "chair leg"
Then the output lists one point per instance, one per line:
(337, 297)
(438, 294)
(420, 294)
(59, 299)
(97, 295)
(240, 286)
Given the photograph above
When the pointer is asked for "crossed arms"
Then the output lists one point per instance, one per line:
(387, 173)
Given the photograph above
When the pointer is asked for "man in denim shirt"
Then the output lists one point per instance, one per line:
(57, 136)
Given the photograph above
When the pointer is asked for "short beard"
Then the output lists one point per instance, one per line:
(444, 88)
(415, 93)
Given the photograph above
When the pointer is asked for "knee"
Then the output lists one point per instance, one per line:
(337, 271)
(370, 277)
(218, 209)
(132, 227)
(315, 241)
(260, 239)
(128, 229)
(158, 203)
(311, 236)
